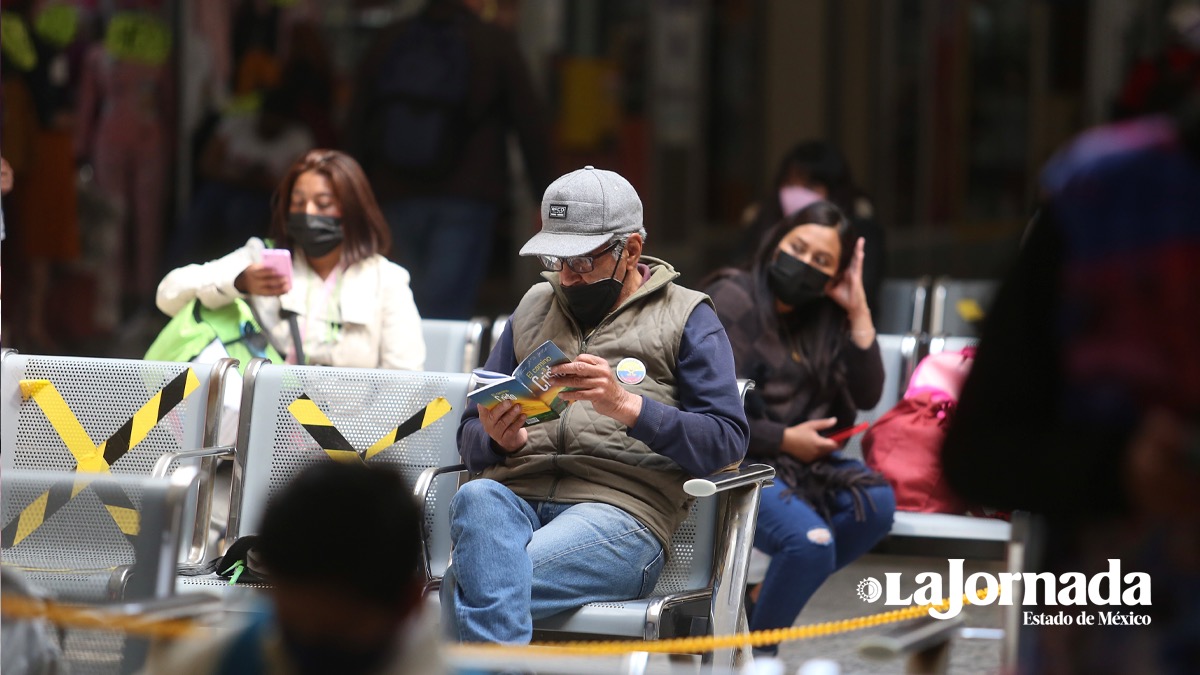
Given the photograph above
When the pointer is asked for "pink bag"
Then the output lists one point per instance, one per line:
(905, 444)
(941, 375)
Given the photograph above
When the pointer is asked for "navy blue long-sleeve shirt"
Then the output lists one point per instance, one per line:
(706, 433)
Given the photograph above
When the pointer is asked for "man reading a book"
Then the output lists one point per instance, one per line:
(580, 508)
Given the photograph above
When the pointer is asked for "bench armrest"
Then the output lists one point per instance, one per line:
(761, 474)
(425, 480)
(421, 494)
(197, 549)
(172, 607)
(165, 460)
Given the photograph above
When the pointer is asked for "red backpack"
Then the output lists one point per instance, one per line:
(905, 444)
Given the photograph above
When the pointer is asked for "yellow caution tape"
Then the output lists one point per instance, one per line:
(75, 616)
(969, 310)
(91, 458)
(335, 445)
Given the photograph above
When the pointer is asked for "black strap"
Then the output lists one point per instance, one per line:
(294, 325)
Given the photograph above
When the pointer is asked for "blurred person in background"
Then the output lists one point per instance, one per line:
(348, 602)
(1160, 82)
(308, 74)
(1083, 404)
(813, 171)
(801, 328)
(39, 123)
(239, 169)
(435, 100)
(345, 304)
(6, 185)
(123, 110)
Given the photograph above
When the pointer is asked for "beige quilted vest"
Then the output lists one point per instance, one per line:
(585, 456)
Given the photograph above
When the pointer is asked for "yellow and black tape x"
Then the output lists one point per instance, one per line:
(335, 444)
(91, 458)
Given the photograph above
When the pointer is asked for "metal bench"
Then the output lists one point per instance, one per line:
(113, 416)
(453, 346)
(399, 419)
(115, 538)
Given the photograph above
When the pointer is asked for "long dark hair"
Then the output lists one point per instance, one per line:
(816, 332)
(366, 230)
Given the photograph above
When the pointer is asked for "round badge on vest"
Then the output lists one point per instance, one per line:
(631, 370)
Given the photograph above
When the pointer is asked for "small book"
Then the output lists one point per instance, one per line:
(529, 385)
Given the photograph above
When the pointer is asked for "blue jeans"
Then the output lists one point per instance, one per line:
(516, 561)
(805, 550)
(445, 243)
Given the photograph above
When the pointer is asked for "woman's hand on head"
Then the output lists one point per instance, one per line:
(258, 279)
(848, 291)
(805, 442)
(505, 424)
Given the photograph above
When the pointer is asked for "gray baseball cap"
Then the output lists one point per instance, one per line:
(584, 210)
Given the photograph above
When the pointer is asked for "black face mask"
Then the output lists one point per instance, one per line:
(589, 303)
(315, 235)
(795, 282)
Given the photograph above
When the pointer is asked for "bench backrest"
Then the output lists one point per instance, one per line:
(902, 305)
(115, 537)
(945, 317)
(125, 413)
(103, 395)
(951, 344)
(452, 346)
(363, 406)
(899, 358)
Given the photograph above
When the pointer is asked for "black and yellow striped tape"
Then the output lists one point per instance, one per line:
(91, 458)
(335, 445)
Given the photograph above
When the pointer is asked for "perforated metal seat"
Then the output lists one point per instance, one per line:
(950, 344)
(365, 407)
(453, 346)
(91, 551)
(688, 568)
(116, 416)
(700, 591)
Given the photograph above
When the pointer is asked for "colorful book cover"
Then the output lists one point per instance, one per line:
(529, 385)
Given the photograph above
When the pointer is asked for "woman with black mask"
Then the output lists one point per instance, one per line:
(800, 327)
(344, 304)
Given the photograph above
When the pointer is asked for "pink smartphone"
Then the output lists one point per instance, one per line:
(280, 260)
